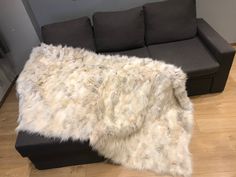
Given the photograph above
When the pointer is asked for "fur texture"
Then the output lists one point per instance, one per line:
(135, 111)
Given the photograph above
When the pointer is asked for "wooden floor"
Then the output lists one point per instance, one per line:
(213, 144)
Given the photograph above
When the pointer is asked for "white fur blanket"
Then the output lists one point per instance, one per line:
(134, 111)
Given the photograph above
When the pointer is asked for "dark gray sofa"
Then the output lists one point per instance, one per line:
(167, 31)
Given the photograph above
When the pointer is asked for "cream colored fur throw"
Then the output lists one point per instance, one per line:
(134, 111)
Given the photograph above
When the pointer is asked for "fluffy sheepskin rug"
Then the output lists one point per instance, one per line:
(134, 111)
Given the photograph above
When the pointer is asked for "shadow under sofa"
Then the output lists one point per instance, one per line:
(155, 31)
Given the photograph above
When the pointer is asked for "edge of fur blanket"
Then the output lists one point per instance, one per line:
(115, 142)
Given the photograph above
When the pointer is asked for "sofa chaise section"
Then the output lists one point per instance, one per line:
(44, 152)
(52, 152)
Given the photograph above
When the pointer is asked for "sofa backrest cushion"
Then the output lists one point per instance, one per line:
(170, 20)
(75, 33)
(121, 30)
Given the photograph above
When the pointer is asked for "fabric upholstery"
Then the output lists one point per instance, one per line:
(121, 30)
(75, 33)
(191, 55)
(46, 153)
(140, 52)
(170, 20)
(199, 85)
(222, 51)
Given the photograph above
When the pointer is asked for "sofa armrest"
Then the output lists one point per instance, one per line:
(221, 49)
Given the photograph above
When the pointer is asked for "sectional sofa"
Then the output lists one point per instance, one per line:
(167, 30)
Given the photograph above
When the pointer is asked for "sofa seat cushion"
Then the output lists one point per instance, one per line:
(140, 52)
(35, 145)
(170, 20)
(191, 55)
(75, 33)
(121, 30)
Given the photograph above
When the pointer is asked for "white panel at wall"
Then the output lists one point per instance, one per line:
(221, 14)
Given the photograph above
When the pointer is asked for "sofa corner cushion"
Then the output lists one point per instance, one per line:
(170, 20)
(74, 33)
(120, 30)
(191, 55)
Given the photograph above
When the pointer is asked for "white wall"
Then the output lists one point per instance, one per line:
(18, 31)
(221, 14)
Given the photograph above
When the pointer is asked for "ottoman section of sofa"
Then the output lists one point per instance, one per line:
(48, 153)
